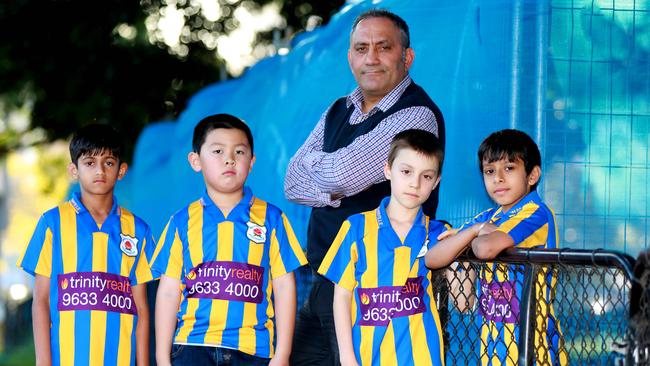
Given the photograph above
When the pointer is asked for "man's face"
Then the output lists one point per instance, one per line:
(377, 58)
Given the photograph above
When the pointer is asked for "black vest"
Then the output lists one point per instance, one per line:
(324, 222)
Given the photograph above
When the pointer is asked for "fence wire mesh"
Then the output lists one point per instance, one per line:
(578, 315)
(640, 311)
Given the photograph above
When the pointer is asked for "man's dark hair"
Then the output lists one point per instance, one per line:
(511, 145)
(95, 139)
(405, 36)
(424, 142)
(216, 121)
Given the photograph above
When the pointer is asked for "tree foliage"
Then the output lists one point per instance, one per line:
(71, 63)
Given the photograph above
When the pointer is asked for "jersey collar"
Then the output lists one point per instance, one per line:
(416, 234)
(79, 208)
(243, 205)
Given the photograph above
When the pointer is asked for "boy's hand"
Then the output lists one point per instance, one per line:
(447, 234)
(279, 361)
(488, 228)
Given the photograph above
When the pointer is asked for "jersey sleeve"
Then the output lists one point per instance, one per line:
(167, 258)
(340, 261)
(285, 252)
(141, 272)
(482, 217)
(528, 228)
(37, 257)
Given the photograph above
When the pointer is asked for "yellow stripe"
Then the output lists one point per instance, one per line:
(387, 354)
(195, 233)
(369, 279)
(539, 237)
(161, 241)
(142, 268)
(44, 264)
(126, 320)
(195, 247)
(401, 265)
(494, 335)
(293, 241)
(69, 256)
(436, 318)
(219, 309)
(98, 318)
(247, 336)
(277, 266)
(526, 211)
(334, 248)
(512, 350)
(419, 347)
(188, 319)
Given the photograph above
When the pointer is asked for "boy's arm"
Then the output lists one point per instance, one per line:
(41, 320)
(488, 246)
(446, 250)
(284, 295)
(343, 325)
(142, 328)
(461, 285)
(167, 302)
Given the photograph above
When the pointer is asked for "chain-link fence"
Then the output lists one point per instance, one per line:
(538, 307)
(640, 311)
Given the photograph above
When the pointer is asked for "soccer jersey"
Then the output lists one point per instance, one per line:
(226, 266)
(531, 224)
(394, 316)
(91, 271)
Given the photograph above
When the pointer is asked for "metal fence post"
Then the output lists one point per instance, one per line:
(527, 317)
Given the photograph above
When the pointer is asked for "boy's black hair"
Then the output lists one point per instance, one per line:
(94, 139)
(405, 36)
(511, 145)
(424, 142)
(213, 122)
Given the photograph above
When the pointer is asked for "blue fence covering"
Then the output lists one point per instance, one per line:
(572, 74)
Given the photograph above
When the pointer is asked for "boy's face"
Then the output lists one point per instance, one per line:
(225, 160)
(412, 177)
(506, 182)
(97, 174)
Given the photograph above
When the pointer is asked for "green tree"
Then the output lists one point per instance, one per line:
(67, 63)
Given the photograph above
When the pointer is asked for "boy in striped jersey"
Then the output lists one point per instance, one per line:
(384, 310)
(225, 263)
(89, 260)
(510, 162)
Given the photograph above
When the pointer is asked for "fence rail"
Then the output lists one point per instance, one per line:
(544, 307)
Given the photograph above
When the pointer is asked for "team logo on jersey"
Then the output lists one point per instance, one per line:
(424, 249)
(256, 233)
(128, 245)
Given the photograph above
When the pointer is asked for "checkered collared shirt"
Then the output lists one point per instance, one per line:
(316, 178)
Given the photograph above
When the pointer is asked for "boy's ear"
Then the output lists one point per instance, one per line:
(387, 171)
(195, 162)
(534, 175)
(72, 170)
(123, 168)
(436, 184)
(250, 168)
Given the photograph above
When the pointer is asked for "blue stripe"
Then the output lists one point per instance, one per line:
(403, 345)
(112, 340)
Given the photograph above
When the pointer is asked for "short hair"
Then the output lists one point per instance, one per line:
(424, 142)
(510, 144)
(216, 121)
(94, 139)
(405, 36)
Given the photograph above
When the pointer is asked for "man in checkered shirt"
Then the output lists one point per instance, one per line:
(338, 171)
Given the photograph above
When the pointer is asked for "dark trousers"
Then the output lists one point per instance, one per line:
(203, 355)
(314, 341)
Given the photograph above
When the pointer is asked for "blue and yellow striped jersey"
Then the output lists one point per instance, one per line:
(226, 265)
(394, 316)
(531, 224)
(91, 271)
